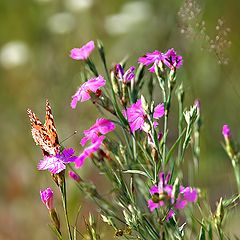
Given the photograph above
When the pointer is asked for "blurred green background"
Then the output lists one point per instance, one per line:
(36, 37)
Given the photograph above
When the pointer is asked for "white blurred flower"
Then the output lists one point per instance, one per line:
(14, 54)
(131, 15)
(78, 5)
(61, 23)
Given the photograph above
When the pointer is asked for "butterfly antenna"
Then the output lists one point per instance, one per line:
(75, 132)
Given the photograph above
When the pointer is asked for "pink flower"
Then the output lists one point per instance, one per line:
(87, 152)
(197, 103)
(101, 127)
(161, 193)
(124, 77)
(170, 214)
(56, 164)
(172, 60)
(159, 111)
(83, 52)
(186, 195)
(74, 176)
(226, 131)
(136, 115)
(83, 93)
(163, 196)
(47, 198)
(151, 58)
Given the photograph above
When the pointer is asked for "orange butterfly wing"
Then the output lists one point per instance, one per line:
(45, 135)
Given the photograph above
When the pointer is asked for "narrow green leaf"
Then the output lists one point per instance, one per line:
(202, 235)
(172, 149)
(137, 172)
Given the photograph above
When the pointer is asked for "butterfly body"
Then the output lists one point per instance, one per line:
(45, 135)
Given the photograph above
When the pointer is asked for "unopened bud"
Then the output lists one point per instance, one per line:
(176, 188)
(59, 178)
(114, 83)
(55, 219)
(219, 213)
(74, 176)
(144, 104)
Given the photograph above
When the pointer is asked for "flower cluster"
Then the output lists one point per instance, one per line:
(170, 59)
(144, 153)
(163, 195)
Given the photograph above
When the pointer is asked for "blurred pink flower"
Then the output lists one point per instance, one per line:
(87, 152)
(83, 52)
(56, 164)
(101, 127)
(83, 93)
(47, 198)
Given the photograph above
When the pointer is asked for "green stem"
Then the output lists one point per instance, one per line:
(64, 201)
(180, 117)
(134, 147)
(236, 169)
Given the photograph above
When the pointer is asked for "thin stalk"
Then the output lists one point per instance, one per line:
(164, 130)
(180, 117)
(236, 168)
(64, 201)
(134, 147)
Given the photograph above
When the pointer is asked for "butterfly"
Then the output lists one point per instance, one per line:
(45, 135)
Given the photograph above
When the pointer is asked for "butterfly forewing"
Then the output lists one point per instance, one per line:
(50, 126)
(45, 135)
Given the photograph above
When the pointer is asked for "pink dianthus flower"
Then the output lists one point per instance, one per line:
(57, 163)
(170, 59)
(82, 53)
(87, 152)
(136, 115)
(101, 127)
(162, 195)
(83, 93)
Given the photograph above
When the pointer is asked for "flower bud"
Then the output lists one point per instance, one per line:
(219, 213)
(55, 219)
(74, 176)
(144, 104)
(59, 178)
(114, 83)
(226, 132)
(47, 198)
